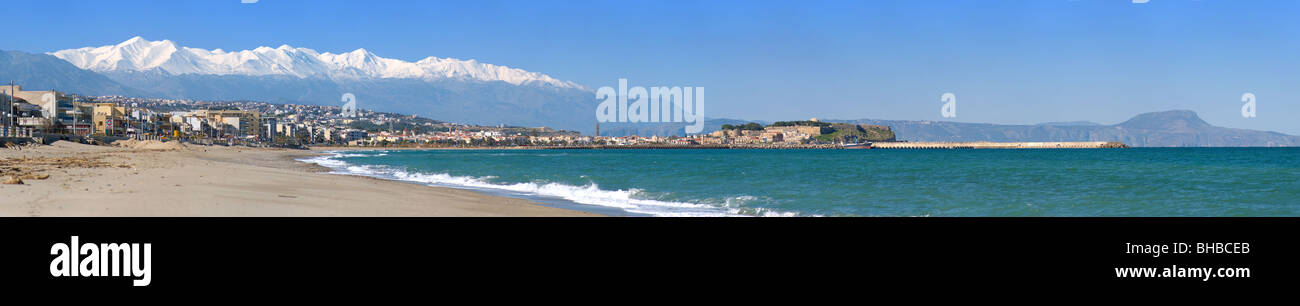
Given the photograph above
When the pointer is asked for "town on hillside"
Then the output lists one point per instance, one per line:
(49, 114)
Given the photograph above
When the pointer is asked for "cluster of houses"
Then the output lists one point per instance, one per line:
(27, 112)
(30, 112)
(49, 111)
(242, 122)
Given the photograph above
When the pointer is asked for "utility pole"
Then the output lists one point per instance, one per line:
(8, 110)
(270, 133)
(74, 112)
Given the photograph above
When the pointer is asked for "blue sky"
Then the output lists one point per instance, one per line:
(1007, 61)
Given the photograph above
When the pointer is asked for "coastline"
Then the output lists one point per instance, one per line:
(210, 181)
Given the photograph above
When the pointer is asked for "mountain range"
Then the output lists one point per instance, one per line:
(140, 55)
(455, 90)
(44, 72)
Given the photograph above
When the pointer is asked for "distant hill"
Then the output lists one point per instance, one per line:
(45, 72)
(853, 133)
(1178, 128)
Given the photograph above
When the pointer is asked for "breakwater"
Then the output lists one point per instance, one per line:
(999, 145)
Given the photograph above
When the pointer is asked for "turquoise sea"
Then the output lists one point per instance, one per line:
(708, 182)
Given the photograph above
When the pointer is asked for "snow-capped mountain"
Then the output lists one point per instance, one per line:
(140, 55)
(447, 89)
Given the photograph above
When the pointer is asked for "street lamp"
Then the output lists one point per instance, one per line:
(76, 113)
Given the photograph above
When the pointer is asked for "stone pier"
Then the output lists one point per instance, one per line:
(999, 145)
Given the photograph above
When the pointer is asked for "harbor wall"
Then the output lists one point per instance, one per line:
(999, 145)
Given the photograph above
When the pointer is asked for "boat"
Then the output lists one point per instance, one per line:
(856, 145)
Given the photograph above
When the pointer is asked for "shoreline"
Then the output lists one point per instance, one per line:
(211, 181)
(548, 200)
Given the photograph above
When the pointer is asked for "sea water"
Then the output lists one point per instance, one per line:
(961, 182)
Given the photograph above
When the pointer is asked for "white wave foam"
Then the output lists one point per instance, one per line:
(591, 194)
(326, 161)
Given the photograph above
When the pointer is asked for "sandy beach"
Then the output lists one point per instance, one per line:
(85, 180)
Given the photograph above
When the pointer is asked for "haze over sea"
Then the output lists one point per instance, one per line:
(1032, 182)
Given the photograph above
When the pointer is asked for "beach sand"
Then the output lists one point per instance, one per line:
(85, 180)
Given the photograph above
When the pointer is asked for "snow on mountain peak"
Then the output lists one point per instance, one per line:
(132, 41)
(139, 54)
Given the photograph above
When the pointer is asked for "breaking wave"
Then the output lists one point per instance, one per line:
(590, 194)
